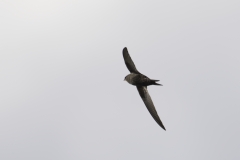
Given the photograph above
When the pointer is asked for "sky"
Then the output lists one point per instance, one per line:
(62, 71)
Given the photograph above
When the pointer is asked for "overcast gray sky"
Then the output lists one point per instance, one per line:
(61, 77)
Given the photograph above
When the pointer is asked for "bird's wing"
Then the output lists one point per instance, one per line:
(128, 61)
(149, 104)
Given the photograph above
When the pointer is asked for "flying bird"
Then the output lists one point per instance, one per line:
(141, 82)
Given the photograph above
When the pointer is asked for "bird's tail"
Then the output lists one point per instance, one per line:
(153, 82)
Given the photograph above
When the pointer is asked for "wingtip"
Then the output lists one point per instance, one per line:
(163, 128)
(125, 48)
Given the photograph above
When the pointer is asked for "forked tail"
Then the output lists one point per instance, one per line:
(153, 82)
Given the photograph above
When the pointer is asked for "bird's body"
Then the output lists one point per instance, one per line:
(137, 79)
(141, 82)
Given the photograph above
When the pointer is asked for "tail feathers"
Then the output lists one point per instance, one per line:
(153, 82)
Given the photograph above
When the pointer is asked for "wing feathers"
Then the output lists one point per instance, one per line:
(129, 63)
(149, 104)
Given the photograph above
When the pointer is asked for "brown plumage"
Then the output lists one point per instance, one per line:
(141, 82)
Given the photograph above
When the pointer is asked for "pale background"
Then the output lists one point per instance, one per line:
(62, 94)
